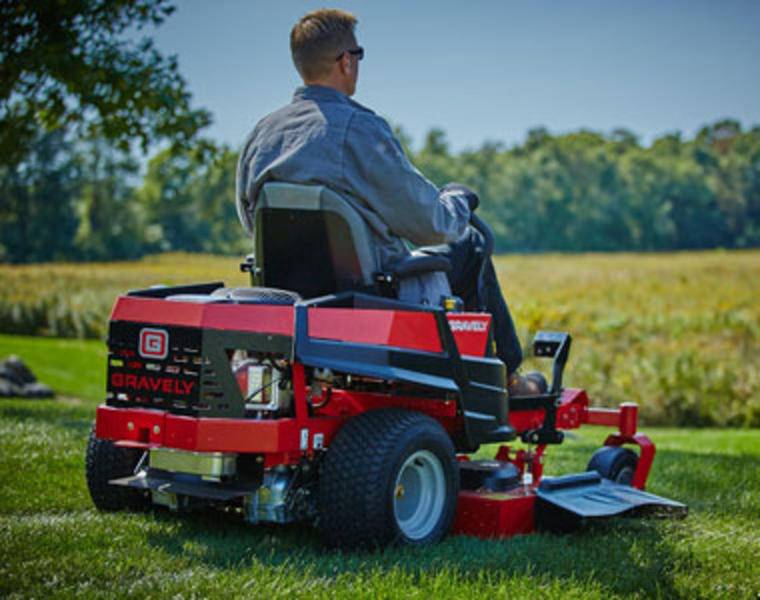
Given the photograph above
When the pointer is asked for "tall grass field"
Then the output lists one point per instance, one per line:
(53, 544)
(677, 333)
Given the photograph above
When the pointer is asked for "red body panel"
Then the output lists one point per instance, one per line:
(495, 514)
(233, 317)
(144, 427)
(139, 426)
(397, 328)
(571, 413)
(400, 329)
(470, 332)
(341, 403)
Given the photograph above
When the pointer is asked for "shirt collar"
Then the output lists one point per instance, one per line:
(319, 93)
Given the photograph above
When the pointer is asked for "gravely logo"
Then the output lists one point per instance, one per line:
(154, 343)
(146, 383)
(469, 325)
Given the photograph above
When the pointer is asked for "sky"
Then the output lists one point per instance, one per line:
(488, 70)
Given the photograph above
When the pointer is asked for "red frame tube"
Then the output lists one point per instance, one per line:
(625, 417)
(574, 410)
(280, 441)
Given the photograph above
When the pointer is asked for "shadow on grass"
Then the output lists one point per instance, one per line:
(623, 556)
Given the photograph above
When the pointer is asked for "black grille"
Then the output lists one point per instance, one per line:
(171, 383)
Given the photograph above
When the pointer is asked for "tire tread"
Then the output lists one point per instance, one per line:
(104, 462)
(354, 510)
(608, 461)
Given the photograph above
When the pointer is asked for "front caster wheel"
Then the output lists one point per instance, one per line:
(617, 464)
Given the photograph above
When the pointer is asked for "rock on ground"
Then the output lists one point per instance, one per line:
(18, 381)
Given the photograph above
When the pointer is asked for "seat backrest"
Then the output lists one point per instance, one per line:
(310, 240)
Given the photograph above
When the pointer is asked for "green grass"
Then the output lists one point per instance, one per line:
(54, 544)
(71, 367)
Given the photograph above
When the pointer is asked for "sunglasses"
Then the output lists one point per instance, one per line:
(358, 52)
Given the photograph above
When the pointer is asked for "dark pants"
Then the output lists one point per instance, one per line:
(466, 261)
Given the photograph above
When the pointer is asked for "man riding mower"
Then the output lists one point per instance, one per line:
(348, 385)
(352, 410)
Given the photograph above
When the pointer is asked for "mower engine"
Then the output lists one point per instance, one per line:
(263, 384)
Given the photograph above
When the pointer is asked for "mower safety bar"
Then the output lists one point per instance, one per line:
(555, 345)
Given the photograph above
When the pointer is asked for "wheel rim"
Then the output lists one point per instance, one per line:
(625, 476)
(419, 494)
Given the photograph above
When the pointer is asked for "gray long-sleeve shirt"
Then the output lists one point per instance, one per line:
(324, 137)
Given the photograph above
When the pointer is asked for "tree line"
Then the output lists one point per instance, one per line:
(581, 191)
(86, 200)
(589, 191)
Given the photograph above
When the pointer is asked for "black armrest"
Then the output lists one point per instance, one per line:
(416, 264)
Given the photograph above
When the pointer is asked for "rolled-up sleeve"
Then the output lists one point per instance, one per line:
(377, 171)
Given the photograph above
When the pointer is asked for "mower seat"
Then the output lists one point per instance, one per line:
(310, 240)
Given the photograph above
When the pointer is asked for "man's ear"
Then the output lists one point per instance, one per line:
(345, 63)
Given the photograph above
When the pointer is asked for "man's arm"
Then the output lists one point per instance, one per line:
(243, 184)
(377, 171)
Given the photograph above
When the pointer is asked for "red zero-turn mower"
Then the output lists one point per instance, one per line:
(322, 398)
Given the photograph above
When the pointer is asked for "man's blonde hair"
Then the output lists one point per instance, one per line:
(318, 38)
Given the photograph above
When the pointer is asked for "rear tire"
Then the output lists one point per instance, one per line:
(617, 464)
(104, 462)
(389, 477)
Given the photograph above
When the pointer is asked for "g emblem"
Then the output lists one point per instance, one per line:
(154, 343)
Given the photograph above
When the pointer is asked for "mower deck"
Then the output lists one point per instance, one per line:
(556, 504)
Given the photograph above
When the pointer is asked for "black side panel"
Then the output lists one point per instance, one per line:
(164, 291)
(486, 400)
(482, 401)
(171, 383)
(220, 394)
(194, 378)
(478, 382)
(420, 368)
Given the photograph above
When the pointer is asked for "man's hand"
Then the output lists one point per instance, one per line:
(462, 190)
